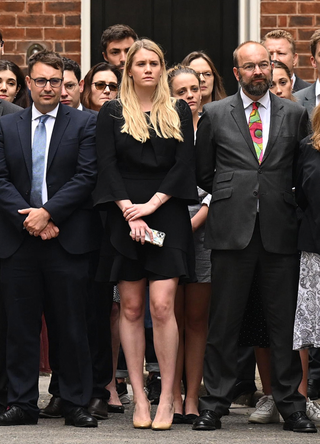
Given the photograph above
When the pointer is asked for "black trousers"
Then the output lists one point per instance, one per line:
(232, 273)
(3, 340)
(42, 276)
(98, 308)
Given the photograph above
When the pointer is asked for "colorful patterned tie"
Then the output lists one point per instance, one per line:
(38, 162)
(255, 128)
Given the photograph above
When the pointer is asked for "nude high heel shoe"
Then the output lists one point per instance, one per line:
(162, 425)
(139, 424)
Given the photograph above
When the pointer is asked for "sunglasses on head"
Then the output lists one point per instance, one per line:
(101, 86)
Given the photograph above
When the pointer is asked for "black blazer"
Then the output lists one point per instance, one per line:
(228, 168)
(71, 177)
(308, 197)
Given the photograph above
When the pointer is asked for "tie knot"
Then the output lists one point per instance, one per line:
(255, 105)
(43, 119)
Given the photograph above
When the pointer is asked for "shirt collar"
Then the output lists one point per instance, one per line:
(80, 107)
(36, 113)
(264, 100)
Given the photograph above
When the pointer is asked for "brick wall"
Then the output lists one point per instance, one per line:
(53, 24)
(301, 19)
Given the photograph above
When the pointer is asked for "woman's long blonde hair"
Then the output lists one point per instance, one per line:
(164, 119)
(315, 138)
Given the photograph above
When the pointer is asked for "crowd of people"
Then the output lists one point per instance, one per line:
(142, 206)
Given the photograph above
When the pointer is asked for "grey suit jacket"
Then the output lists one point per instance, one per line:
(300, 84)
(8, 107)
(228, 168)
(307, 98)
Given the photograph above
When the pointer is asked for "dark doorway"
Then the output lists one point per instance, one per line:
(179, 26)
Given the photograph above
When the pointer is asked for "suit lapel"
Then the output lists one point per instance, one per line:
(310, 99)
(24, 131)
(238, 114)
(276, 119)
(60, 125)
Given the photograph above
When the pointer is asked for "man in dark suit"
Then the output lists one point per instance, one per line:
(47, 174)
(251, 223)
(281, 46)
(5, 108)
(310, 98)
(99, 301)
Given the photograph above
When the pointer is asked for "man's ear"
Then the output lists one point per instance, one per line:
(236, 73)
(28, 81)
(81, 85)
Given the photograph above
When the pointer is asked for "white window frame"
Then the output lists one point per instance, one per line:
(249, 20)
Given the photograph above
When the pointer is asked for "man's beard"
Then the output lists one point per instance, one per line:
(259, 89)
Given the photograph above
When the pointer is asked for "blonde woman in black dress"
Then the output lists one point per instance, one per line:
(146, 181)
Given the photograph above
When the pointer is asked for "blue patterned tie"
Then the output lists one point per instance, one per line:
(38, 162)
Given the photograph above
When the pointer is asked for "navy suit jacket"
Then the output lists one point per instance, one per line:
(71, 177)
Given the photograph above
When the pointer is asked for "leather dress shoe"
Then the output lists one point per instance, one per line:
(98, 408)
(113, 408)
(299, 422)
(207, 420)
(313, 389)
(79, 417)
(2, 409)
(16, 416)
(53, 409)
(243, 387)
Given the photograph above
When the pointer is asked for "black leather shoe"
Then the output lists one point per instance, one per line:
(53, 409)
(244, 387)
(2, 409)
(79, 417)
(313, 389)
(299, 422)
(113, 408)
(16, 416)
(98, 408)
(207, 420)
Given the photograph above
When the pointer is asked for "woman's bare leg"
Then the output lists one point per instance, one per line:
(179, 314)
(303, 387)
(197, 298)
(264, 366)
(165, 331)
(115, 338)
(132, 338)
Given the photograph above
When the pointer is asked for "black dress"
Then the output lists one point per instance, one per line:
(129, 169)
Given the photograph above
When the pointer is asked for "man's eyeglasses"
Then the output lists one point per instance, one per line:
(70, 86)
(249, 67)
(101, 86)
(41, 82)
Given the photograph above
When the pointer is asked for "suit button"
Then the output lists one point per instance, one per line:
(259, 171)
(255, 193)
